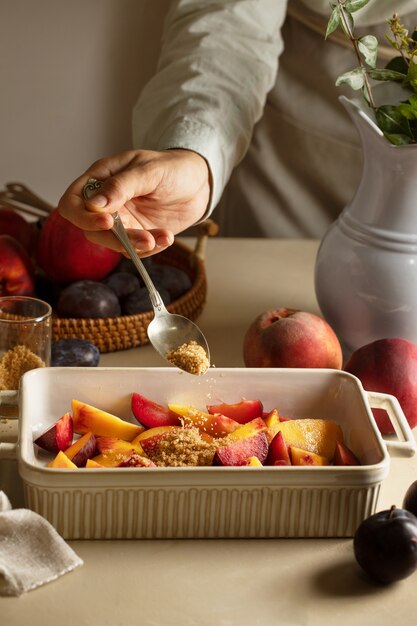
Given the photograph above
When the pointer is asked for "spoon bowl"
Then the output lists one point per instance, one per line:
(177, 339)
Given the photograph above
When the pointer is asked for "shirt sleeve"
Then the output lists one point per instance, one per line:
(218, 62)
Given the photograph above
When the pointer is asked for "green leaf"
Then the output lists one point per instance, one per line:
(355, 79)
(397, 139)
(333, 21)
(348, 30)
(412, 75)
(397, 64)
(391, 122)
(383, 74)
(368, 46)
(355, 5)
(414, 35)
(408, 109)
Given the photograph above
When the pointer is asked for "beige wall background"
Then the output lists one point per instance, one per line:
(70, 73)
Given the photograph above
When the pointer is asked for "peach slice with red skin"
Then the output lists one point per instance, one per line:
(240, 451)
(344, 455)
(58, 436)
(61, 461)
(278, 451)
(215, 425)
(249, 429)
(88, 418)
(272, 420)
(108, 445)
(241, 412)
(312, 434)
(82, 449)
(151, 414)
(303, 457)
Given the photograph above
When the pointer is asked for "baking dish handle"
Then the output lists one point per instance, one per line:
(8, 404)
(406, 445)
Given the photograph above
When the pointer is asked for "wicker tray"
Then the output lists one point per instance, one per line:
(127, 331)
(110, 334)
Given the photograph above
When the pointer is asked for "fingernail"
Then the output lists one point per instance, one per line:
(164, 241)
(99, 201)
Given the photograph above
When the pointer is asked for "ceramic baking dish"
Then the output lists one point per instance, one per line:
(207, 502)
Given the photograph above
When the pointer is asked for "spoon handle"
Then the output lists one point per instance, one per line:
(119, 230)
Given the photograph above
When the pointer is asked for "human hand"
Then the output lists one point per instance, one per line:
(157, 195)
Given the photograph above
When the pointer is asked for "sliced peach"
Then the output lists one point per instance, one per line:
(88, 418)
(272, 421)
(344, 455)
(314, 435)
(62, 461)
(154, 432)
(278, 451)
(253, 461)
(151, 414)
(240, 451)
(215, 425)
(58, 436)
(303, 457)
(106, 445)
(242, 412)
(82, 449)
(93, 464)
(248, 430)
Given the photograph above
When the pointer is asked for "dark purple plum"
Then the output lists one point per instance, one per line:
(139, 302)
(385, 545)
(126, 265)
(171, 278)
(410, 498)
(88, 298)
(74, 352)
(123, 283)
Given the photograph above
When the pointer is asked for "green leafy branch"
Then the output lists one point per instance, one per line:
(397, 122)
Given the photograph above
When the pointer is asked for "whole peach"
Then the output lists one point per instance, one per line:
(291, 338)
(388, 366)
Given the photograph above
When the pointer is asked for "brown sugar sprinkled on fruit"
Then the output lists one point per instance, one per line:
(190, 357)
(183, 447)
(14, 363)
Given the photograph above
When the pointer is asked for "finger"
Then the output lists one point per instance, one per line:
(118, 190)
(72, 208)
(146, 242)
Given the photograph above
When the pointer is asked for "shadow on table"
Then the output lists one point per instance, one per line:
(344, 579)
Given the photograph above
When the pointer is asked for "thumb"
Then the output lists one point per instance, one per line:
(117, 190)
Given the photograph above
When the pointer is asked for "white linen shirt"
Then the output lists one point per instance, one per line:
(217, 90)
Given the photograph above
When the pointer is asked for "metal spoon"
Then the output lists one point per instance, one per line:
(167, 332)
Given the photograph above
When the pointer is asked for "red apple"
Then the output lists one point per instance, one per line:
(388, 366)
(13, 224)
(66, 255)
(291, 338)
(16, 269)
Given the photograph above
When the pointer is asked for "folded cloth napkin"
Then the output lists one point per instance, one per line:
(32, 553)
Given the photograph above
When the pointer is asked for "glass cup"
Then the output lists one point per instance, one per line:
(25, 338)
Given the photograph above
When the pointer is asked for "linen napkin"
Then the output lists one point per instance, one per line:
(32, 553)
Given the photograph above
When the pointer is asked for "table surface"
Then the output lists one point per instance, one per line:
(291, 582)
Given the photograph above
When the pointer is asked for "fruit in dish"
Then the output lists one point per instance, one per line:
(173, 435)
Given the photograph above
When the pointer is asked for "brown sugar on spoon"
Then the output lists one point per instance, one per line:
(190, 357)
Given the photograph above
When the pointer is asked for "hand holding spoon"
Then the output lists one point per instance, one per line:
(176, 338)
